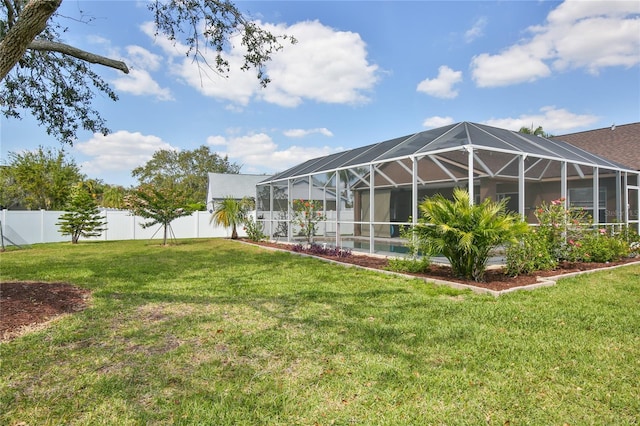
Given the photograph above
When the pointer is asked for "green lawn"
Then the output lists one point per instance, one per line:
(213, 332)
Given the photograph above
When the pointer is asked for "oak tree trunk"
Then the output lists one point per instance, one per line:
(32, 21)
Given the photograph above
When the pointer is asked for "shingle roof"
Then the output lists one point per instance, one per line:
(617, 143)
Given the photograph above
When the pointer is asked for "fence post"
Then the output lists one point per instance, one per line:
(42, 225)
(106, 224)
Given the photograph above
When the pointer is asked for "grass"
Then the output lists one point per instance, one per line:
(216, 332)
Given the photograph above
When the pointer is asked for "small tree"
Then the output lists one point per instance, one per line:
(465, 234)
(82, 217)
(307, 214)
(231, 212)
(159, 206)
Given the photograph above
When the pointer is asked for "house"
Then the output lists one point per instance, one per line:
(617, 143)
(223, 185)
(388, 179)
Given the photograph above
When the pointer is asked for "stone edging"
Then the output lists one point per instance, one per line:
(542, 281)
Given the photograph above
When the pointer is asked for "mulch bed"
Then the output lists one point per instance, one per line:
(23, 305)
(495, 279)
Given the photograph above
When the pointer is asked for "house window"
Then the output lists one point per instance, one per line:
(583, 198)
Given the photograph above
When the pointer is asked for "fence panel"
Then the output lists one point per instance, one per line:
(33, 227)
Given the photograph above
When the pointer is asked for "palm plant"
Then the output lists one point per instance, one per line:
(464, 233)
(230, 213)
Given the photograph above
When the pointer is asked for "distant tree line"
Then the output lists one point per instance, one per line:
(45, 178)
(170, 185)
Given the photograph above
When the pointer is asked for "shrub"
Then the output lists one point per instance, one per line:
(465, 234)
(559, 224)
(631, 237)
(597, 246)
(531, 253)
(413, 264)
(307, 214)
(569, 235)
(415, 245)
(254, 230)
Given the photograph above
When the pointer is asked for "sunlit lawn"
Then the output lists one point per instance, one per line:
(214, 332)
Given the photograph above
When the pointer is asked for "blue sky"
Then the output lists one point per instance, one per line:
(361, 72)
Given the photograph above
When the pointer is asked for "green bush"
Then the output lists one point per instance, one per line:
(631, 237)
(414, 265)
(559, 224)
(415, 245)
(598, 246)
(531, 253)
(464, 233)
(254, 230)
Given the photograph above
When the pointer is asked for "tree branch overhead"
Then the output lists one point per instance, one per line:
(52, 46)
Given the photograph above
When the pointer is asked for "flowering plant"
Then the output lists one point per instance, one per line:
(570, 235)
(254, 229)
(559, 224)
(597, 246)
(307, 214)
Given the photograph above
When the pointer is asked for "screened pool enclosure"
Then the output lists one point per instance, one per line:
(368, 194)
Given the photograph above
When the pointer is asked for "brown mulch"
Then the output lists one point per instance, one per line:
(26, 305)
(495, 279)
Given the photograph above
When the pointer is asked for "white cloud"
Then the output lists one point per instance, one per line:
(552, 119)
(513, 66)
(324, 65)
(119, 151)
(141, 63)
(140, 82)
(301, 133)
(141, 57)
(436, 121)
(476, 31)
(442, 86)
(589, 35)
(258, 153)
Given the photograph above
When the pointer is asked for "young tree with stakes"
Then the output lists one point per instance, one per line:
(160, 206)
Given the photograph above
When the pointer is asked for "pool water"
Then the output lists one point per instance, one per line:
(378, 246)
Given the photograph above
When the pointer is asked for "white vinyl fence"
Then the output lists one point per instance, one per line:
(39, 226)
